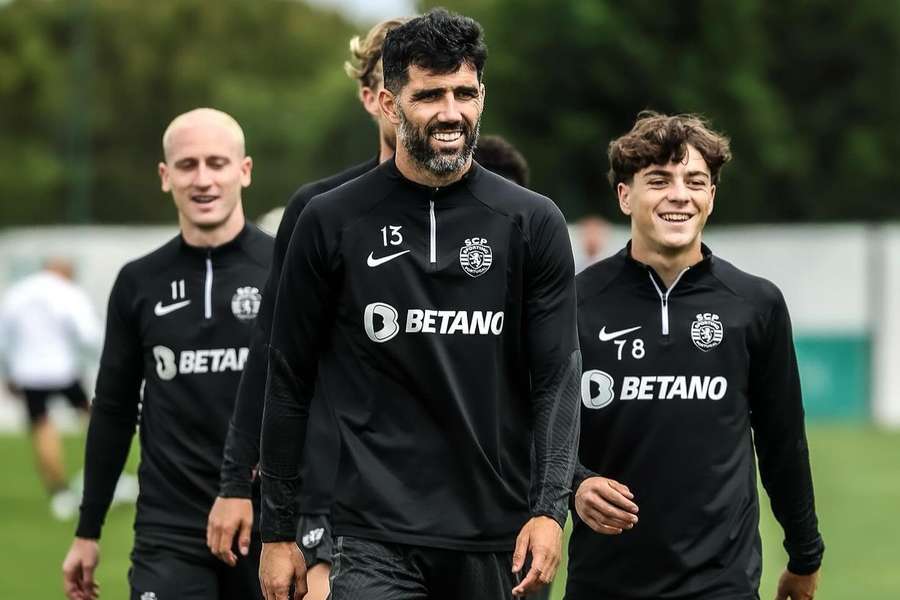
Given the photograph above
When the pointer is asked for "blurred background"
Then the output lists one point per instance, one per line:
(808, 90)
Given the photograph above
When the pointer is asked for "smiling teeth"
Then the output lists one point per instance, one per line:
(447, 136)
(675, 217)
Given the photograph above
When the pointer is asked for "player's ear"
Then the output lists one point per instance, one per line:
(623, 191)
(369, 99)
(388, 104)
(164, 178)
(246, 170)
(712, 199)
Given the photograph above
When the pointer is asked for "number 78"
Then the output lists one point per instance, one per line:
(637, 348)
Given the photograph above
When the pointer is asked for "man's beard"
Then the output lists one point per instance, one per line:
(417, 144)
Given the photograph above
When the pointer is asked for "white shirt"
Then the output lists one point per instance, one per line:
(46, 322)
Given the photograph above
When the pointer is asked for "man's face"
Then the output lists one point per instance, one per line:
(205, 170)
(669, 204)
(438, 117)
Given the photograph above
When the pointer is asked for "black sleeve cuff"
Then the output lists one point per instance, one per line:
(558, 515)
(90, 523)
(805, 559)
(236, 489)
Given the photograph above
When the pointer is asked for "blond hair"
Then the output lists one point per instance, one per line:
(365, 53)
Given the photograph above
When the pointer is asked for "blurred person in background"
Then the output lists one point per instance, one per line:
(47, 326)
(593, 235)
(436, 417)
(232, 513)
(179, 325)
(689, 365)
(497, 155)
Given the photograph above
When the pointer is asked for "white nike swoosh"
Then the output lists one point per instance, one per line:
(374, 262)
(605, 337)
(159, 310)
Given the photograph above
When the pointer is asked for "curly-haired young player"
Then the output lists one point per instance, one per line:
(688, 365)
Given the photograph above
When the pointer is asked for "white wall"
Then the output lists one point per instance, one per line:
(886, 331)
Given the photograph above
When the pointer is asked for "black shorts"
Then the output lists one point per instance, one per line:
(314, 538)
(164, 567)
(36, 399)
(366, 569)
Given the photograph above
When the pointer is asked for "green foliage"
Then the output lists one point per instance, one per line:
(808, 90)
(275, 66)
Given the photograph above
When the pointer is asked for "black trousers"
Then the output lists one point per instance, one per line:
(365, 569)
(170, 569)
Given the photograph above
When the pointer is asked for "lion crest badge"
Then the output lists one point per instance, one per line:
(707, 331)
(475, 257)
(245, 303)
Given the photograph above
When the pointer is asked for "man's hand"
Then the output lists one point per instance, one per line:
(797, 587)
(605, 505)
(281, 565)
(229, 516)
(78, 570)
(542, 538)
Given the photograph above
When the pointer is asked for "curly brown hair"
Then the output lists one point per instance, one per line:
(658, 139)
(365, 53)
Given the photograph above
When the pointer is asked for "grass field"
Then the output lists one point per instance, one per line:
(856, 471)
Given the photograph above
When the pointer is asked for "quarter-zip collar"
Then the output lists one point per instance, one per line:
(234, 245)
(212, 255)
(431, 192)
(691, 274)
(687, 275)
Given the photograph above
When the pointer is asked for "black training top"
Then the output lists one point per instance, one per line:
(179, 321)
(441, 324)
(674, 383)
(242, 444)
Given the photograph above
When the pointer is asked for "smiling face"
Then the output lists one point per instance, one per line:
(437, 118)
(669, 204)
(205, 170)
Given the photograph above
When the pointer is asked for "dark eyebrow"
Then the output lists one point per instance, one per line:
(431, 92)
(426, 93)
(698, 174)
(658, 173)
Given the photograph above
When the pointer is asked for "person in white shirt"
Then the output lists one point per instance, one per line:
(47, 324)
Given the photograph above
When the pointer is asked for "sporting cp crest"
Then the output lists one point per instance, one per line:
(245, 303)
(475, 257)
(707, 331)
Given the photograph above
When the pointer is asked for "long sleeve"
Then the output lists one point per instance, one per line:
(302, 318)
(780, 439)
(555, 365)
(114, 411)
(241, 453)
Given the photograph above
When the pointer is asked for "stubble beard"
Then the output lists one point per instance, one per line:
(438, 163)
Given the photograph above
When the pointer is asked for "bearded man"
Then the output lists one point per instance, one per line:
(442, 368)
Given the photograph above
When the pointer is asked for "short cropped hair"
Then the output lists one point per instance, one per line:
(658, 139)
(499, 156)
(438, 41)
(365, 53)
